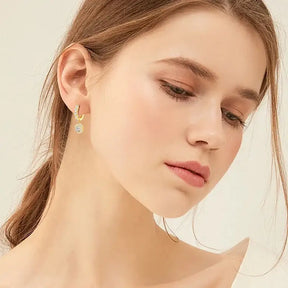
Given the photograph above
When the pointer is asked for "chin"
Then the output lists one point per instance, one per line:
(172, 208)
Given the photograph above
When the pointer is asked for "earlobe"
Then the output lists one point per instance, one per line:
(71, 76)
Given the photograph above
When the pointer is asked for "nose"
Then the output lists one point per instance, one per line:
(206, 129)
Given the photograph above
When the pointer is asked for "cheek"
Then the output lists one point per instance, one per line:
(129, 132)
(127, 124)
(144, 122)
(234, 145)
(228, 153)
(223, 159)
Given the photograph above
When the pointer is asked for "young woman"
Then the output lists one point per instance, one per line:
(149, 101)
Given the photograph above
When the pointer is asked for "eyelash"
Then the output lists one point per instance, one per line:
(239, 123)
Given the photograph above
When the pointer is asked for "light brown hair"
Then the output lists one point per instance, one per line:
(103, 27)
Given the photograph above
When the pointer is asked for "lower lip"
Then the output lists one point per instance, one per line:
(187, 176)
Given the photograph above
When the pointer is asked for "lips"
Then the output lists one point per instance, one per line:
(192, 171)
(194, 167)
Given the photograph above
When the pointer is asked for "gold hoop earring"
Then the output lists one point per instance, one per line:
(79, 128)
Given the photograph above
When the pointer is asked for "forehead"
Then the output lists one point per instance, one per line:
(233, 50)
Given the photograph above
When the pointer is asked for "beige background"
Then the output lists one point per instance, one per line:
(31, 30)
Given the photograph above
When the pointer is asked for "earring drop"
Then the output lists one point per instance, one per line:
(79, 128)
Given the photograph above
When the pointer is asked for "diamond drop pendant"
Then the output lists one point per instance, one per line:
(79, 128)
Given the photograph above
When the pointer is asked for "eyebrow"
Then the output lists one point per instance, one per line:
(203, 72)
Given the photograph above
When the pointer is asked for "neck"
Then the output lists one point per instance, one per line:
(95, 232)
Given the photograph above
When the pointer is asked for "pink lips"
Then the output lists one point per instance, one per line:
(190, 171)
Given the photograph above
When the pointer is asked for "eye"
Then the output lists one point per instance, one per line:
(180, 94)
(234, 121)
(175, 92)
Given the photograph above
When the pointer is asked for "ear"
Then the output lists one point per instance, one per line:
(74, 67)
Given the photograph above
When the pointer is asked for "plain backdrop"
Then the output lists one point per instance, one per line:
(241, 205)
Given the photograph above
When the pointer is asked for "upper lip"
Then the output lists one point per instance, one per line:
(193, 166)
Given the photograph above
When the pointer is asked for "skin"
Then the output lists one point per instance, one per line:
(99, 230)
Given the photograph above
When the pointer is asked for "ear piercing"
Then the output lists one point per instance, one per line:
(79, 128)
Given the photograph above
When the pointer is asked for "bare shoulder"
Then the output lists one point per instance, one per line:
(204, 258)
(200, 268)
(3, 269)
(8, 269)
(3, 272)
(187, 260)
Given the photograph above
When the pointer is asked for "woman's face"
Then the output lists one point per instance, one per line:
(137, 126)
